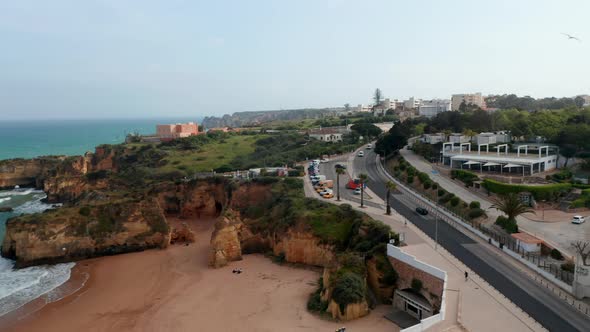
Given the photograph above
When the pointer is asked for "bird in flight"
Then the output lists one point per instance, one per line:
(571, 37)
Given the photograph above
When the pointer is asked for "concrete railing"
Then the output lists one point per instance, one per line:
(425, 323)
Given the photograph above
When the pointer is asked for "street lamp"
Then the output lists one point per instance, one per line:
(436, 222)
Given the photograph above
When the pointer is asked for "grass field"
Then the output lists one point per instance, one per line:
(212, 155)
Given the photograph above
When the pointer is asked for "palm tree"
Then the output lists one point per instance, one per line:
(363, 178)
(390, 187)
(339, 171)
(511, 205)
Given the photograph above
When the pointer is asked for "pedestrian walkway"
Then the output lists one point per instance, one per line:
(471, 305)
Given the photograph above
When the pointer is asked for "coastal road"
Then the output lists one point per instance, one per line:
(550, 311)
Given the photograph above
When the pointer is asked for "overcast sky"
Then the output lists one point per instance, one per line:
(116, 58)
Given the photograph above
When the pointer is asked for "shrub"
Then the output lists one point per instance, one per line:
(426, 185)
(549, 191)
(474, 205)
(423, 177)
(509, 225)
(464, 176)
(348, 288)
(416, 285)
(434, 186)
(475, 213)
(556, 254)
(410, 179)
(568, 266)
(455, 201)
(85, 211)
(441, 192)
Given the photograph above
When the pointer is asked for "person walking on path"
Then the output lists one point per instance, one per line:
(466, 275)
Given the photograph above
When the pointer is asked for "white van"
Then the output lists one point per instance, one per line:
(361, 154)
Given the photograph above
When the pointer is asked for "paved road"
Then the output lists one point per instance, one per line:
(558, 234)
(550, 311)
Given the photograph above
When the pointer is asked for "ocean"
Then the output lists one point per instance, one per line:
(28, 139)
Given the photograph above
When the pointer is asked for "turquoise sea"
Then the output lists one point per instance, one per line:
(27, 139)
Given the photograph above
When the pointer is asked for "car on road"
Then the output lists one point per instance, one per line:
(369, 146)
(324, 160)
(357, 191)
(578, 220)
(361, 154)
(421, 211)
(340, 166)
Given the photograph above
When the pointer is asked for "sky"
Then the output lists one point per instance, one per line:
(116, 58)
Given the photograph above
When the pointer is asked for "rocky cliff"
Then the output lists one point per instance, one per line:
(26, 172)
(68, 234)
(62, 178)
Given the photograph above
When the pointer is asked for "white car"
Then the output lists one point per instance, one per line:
(325, 160)
(369, 146)
(578, 220)
(361, 154)
(357, 191)
(325, 191)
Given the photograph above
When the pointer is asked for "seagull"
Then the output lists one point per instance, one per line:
(571, 37)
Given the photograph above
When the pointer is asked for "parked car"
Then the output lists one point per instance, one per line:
(578, 220)
(422, 211)
(329, 195)
(357, 191)
(361, 154)
(325, 191)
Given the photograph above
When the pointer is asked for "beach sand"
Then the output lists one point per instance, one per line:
(175, 290)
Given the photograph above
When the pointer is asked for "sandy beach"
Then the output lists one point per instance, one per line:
(175, 290)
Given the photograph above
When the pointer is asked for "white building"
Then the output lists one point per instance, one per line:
(586, 100)
(528, 159)
(469, 98)
(412, 103)
(433, 138)
(326, 134)
(364, 108)
(431, 108)
(458, 138)
(527, 242)
(485, 138)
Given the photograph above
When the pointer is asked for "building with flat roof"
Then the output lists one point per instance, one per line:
(430, 108)
(326, 134)
(179, 130)
(469, 98)
(527, 160)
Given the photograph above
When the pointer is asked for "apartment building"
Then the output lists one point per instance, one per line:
(430, 108)
(469, 98)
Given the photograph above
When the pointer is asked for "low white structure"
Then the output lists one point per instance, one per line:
(527, 242)
(326, 134)
(433, 138)
(457, 138)
(485, 138)
(535, 159)
(430, 108)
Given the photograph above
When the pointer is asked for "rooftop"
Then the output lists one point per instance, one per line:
(527, 238)
(494, 156)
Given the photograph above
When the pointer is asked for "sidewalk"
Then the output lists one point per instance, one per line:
(473, 305)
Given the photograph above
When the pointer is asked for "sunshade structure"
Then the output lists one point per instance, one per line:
(511, 165)
(471, 162)
(491, 164)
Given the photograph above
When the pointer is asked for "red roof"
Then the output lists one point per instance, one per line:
(526, 238)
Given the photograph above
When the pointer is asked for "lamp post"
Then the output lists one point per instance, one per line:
(436, 223)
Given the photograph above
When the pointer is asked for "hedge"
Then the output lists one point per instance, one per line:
(464, 176)
(547, 191)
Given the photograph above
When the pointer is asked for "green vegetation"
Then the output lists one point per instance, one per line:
(556, 254)
(416, 285)
(509, 225)
(466, 177)
(348, 288)
(403, 171)
(540, 192)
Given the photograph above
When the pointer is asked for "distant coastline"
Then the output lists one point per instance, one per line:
(33, 138)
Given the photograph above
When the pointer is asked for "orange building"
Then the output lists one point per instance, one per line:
(178, 130)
